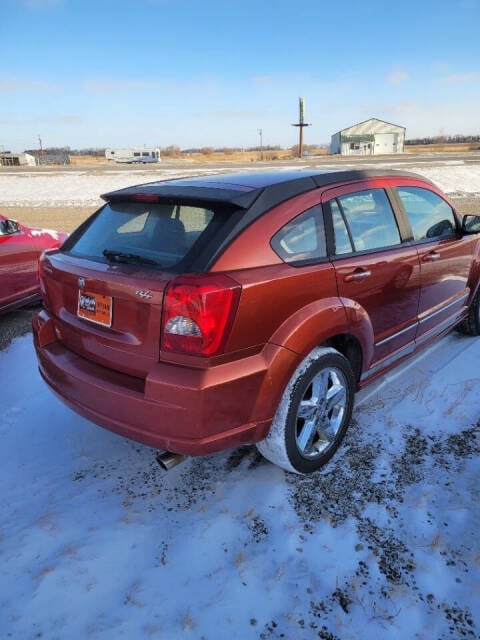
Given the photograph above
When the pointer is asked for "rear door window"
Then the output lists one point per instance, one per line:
(363, 221)
(156, 234)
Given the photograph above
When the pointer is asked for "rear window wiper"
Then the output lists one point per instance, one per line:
(132, 258)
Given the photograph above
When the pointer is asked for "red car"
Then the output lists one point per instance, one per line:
(204, 313)
(20, 250)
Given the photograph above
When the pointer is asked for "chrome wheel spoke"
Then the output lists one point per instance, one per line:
(307, 410)
(336, 395)
(306, 436)
(320, 385)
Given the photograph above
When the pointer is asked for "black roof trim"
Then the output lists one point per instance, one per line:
(242, 189)
(323, 180)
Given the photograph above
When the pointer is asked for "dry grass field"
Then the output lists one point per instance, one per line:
(213, 156)
(440, 148)
(58, 218)
(208, 157)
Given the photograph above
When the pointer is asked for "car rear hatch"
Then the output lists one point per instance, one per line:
(105, 287)
(110, 315)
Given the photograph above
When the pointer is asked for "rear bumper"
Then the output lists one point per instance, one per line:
(179, 409)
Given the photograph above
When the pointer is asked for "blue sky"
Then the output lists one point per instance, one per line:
(193, 73)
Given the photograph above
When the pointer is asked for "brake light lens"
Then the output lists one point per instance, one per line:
(145, 197)
(198, 313)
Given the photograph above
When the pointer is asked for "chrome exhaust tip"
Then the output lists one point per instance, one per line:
(167, 460)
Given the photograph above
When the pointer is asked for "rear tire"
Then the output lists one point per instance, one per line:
(313, 414)
(471, 325)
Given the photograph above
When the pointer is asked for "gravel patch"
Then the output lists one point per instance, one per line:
(16, 323)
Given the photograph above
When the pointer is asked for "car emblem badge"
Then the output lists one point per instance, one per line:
(146, 295)
(81, 283)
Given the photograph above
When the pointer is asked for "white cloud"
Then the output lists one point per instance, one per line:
(462, 77)
(263, 81)
(108, 85)
(407, 108)
(7, 118)
(12, 84)
(61, 119)
(397, 76)
(234, 114)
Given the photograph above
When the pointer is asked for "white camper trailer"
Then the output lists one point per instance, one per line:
(134, 155)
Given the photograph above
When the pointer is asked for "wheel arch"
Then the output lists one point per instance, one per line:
(340, 323)
(337, 323)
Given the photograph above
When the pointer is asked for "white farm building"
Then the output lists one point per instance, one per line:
(372, 137)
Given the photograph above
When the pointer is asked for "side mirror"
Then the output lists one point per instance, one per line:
(471, 224)
(440, 229)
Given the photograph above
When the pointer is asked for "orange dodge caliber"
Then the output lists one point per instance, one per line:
(203, 313)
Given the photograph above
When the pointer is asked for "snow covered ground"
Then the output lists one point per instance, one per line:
(83, 187)
(96, 541)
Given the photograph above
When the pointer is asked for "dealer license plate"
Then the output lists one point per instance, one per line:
(95, 307)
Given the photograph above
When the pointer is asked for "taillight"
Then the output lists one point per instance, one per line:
(198, 313)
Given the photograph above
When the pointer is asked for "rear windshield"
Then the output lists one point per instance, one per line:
(147, 234)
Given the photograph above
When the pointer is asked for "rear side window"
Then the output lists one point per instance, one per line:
(366, 219)
(154, 234)
(430, 216)
(302, 239)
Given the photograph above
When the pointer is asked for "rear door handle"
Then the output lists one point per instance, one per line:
(431, 257)
(358, 274)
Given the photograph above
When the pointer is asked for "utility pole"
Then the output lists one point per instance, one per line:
(41, 149)
(300, 124)
(260, 133)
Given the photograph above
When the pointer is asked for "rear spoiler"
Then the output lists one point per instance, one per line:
(158, 192)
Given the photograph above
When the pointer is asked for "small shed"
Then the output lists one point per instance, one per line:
(8, 159)
(372, 137)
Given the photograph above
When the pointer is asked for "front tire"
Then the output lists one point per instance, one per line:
(313, 414)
